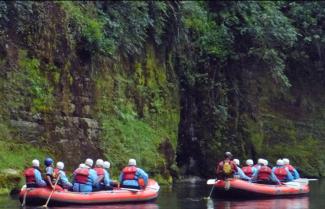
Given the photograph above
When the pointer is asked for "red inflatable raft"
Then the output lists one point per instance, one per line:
(38, 196)
(240, 188)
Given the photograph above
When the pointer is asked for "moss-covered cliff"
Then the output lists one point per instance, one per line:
(74, 90)
(262, 96)
(152, 79)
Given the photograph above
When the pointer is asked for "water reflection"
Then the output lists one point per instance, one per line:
(118, 206)
(289, 203)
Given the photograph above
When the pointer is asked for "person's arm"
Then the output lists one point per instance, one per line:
(295, 174)
(235, 167)
(218, 168)
(106, 178)
(142, 174)
(242, 174)
(49, 173)
(254, 177)
(93, 176)
(121, 177)
(254, 171)
(38, 178)
(64, 179)
(274, 178)
(73, 177)
(289, 176)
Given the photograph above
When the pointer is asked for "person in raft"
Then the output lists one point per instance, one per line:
(33, 176)
(49, 178)
(226, 168)
(249, 170)
(240, 174)
(112, 183)
(103, 181)
(59, 173)
(259, 164)
(264, 175)
(281, 172)
(133, 177)
(84, 178)
(292, 170)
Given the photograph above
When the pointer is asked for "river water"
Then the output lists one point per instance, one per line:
(192, 196)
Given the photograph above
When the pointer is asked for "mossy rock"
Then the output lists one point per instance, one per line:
(9, 179)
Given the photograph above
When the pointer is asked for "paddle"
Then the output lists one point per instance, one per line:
(210, 182)
(304, 180)
(130, 189)
(24, 200)
(48, 200)
(292, 184)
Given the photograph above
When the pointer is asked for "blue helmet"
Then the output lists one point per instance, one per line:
(48, 161)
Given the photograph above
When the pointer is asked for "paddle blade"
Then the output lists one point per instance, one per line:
(293, 184)
(211, 181)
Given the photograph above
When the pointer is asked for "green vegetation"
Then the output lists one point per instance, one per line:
(90, 25)
(107, 29)
(19, 155)
(15, 154)
(27, 87)
(165, 78)
(135, 124)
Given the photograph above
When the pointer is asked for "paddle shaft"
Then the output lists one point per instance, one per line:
(24, 201)
(211, 190)
(48, 200)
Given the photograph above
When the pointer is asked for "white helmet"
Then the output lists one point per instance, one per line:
(106, 165)
(279, 162)
(260, 161)
(132, 162)
(35, 163)
(249, 162)
(60, 165)
(286, 161)
(82, 165)
(266, 162)
(236, 161)
(89, 162)
(263, 162)
(99, 163)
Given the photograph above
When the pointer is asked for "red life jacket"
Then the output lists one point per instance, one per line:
(264, 173)
(81, 175)
(99, 171)
(280, 173)
(56, 172)
(248, 171)
(30, 176)
(129, 173)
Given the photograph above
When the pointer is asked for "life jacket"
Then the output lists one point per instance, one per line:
(99, 171)
(30, 176)
(81, 175)
(56, 173)
(129, 173)
(227, 167)
(264, 173)
(248, 171)
(280, 173)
